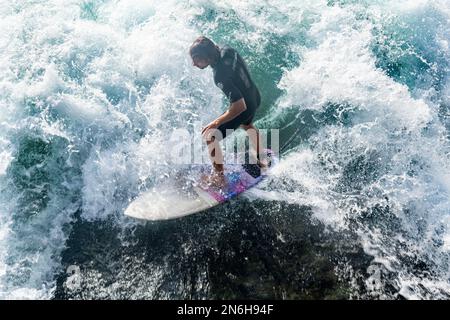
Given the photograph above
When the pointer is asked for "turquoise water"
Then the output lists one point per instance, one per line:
(357, 208)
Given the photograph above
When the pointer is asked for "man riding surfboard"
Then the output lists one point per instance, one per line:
(231, 75)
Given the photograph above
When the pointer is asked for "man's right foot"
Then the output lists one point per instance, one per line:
(263, 165)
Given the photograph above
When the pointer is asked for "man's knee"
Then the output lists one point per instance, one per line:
(247, 126)
(212, 136)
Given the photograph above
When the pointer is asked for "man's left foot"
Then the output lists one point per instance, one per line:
(216, 180)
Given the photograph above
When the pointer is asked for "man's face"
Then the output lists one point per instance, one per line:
(200, 63)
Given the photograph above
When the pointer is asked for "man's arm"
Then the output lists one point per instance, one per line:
(237, 104)
(235, 109)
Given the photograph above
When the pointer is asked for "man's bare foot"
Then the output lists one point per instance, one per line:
(215, 180)
(264, 164)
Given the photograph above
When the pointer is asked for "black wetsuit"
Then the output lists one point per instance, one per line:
(232, 77)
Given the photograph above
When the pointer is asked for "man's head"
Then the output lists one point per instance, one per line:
(204, 52)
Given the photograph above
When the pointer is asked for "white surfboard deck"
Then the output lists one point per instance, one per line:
(175, 200)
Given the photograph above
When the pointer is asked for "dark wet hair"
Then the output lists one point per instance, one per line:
(204, 48)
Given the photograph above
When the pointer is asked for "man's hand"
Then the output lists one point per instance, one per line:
(236, 109)
(212, 125)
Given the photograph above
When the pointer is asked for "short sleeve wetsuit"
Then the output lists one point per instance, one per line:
(232, 77)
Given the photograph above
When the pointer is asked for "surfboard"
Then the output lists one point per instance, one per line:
(173, 200)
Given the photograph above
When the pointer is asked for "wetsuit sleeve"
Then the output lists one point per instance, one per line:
(230, 90)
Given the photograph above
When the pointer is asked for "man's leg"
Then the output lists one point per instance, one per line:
(215, 154)
(217, 179)
(255, 143)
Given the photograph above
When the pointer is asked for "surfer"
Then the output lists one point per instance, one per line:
(231, 75)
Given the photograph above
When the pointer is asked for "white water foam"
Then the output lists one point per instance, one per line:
(390, 129)
(114, 79)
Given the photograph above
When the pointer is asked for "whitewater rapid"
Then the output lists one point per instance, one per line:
(90, 92)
